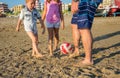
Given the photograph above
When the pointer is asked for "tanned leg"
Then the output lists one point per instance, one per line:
(87, 44)
(34, 39)
(50, 40)
(76, 38)
(56, 37)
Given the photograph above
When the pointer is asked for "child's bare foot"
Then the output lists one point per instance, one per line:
(38, 55)
(33, 53)
(51, 54)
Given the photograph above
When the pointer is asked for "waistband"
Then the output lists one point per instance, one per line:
(91, 0)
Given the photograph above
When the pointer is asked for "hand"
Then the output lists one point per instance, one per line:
(74, 7)
(43, 31)
(63, 26)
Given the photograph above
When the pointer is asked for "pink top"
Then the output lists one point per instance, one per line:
(53, 11)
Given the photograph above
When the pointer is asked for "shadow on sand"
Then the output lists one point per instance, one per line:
(97, 50)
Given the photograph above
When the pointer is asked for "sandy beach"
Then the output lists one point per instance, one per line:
(16, 60)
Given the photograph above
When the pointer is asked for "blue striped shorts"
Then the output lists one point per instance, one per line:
(85, 16)
(98, 1)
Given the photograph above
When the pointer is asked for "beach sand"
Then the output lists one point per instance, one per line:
(16, 60)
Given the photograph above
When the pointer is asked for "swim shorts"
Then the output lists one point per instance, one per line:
(85, 16)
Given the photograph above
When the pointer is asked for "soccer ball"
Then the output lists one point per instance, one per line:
(66, 48)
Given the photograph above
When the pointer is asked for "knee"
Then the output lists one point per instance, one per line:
(50, 37)
(56, 35)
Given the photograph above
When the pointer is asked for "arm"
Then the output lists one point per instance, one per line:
(42, 25)
(21, 17)
(62, 18)
(18, 25)
(44, 11)
(74, 6)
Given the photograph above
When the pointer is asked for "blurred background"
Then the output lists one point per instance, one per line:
(11, 8)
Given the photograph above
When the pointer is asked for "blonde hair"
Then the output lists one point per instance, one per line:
(54, 0)
(28, 1)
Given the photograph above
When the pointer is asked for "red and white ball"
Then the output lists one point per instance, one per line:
(66, 48)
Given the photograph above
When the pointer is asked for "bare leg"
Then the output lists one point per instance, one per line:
(76, 38)
(56, 37)
(50, 35)
(34, 39)
(33, 51)
(87, 44)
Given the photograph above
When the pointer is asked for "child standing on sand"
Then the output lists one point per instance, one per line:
(29, 15)
(53, 15)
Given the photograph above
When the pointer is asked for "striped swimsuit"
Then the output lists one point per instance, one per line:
(84, 17)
